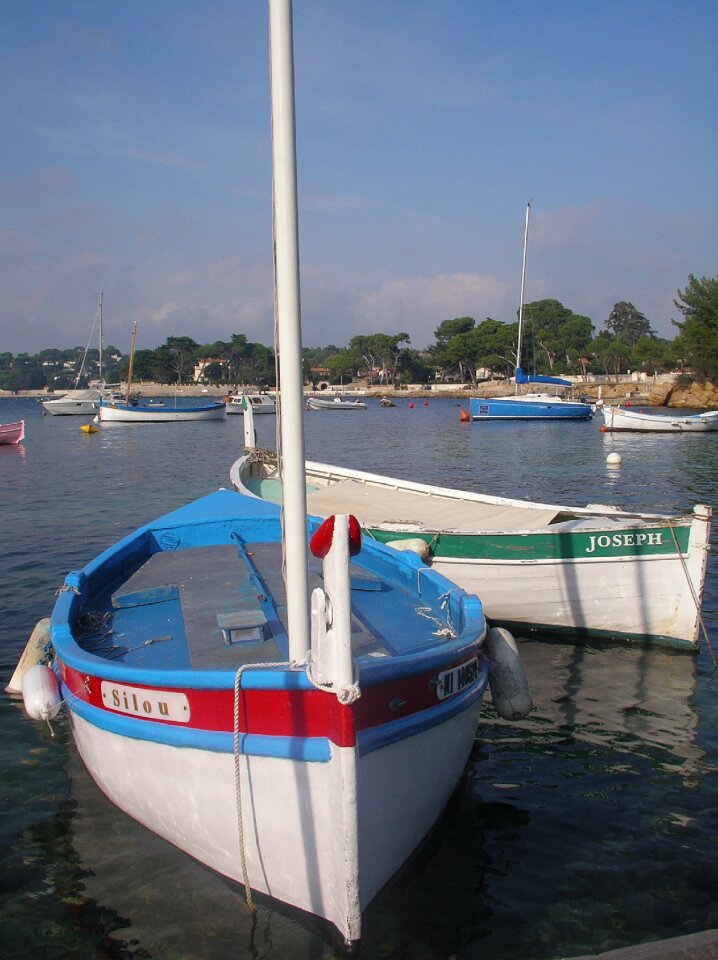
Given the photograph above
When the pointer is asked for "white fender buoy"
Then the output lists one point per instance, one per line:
(613, 459)
(33, 653)
(41, 692)
(416, 544)
(507, 679)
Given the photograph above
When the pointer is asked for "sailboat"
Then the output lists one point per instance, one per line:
(114, 409)
(78, 402)
(300, 744)
(529, 406)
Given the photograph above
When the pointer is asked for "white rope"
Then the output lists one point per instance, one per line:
(693, 593)
(346, 694)
(238, 776)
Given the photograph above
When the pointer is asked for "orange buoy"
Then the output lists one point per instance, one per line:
(603, 428)
(464, 415)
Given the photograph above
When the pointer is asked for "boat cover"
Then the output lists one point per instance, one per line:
(372, 504)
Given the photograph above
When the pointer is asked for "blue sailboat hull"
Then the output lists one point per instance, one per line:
(528, 408)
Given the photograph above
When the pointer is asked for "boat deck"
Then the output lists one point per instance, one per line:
(207, 608)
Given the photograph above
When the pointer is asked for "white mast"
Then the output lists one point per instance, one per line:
(521, 301)
(288, 322)
(102, 379)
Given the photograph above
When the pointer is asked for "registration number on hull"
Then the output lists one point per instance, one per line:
(451, 682)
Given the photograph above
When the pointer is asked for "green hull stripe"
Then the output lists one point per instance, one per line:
(578, 545)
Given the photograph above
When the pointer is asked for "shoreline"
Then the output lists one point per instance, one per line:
(695, 396)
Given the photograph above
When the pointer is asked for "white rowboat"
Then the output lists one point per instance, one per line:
(621, 419)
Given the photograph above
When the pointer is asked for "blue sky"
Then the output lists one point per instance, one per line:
(136, 160)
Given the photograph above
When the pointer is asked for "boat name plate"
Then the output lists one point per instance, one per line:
(141, 702)
(451, 682)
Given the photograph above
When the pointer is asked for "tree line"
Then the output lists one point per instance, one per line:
(556, 341)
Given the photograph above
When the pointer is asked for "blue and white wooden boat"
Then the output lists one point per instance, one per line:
(301, 734)
(118, 411)
(309, 774)
(529, 406)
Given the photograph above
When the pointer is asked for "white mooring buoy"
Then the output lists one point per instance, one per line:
(613, 459)
(41, 692)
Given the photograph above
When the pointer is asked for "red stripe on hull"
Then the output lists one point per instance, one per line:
(283, 713)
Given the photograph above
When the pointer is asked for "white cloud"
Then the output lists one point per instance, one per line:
(418, 305)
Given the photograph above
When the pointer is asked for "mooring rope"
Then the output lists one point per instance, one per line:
(238, 776)
(696, 601)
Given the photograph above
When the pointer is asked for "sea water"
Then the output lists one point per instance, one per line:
(587, 826)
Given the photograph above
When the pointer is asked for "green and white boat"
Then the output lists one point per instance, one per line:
(595, 571)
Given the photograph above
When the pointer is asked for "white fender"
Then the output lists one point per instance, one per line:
(41, 692)
(507, 679)
(33, 653)
(416, 544)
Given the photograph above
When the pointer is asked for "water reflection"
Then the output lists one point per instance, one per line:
(632, 699)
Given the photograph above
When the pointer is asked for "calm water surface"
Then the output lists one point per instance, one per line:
(588, 826)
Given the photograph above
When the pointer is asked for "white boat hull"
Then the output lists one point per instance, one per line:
(189, 797)
(618, 419)
(84, 404)
(541, 568)
(613, 598)
(120, 413)
(262, 403)
(314, 403)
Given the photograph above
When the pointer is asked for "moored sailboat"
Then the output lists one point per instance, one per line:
(79, 402)
(529, 406)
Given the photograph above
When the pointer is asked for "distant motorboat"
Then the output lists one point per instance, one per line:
(261, 403)
(335, 403)
(12, 432)
(73, 403)
(620, 419)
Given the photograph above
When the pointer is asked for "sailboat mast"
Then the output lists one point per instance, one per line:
(521, 299)
(288, 322)
(132, 360)
(102, 379)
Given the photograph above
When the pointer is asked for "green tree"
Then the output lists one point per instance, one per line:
(628, 323)
(413, 368)
(145, 366)
(653, 355)
(610, 353)
(553, 337)
(181, 356)
(380, 351)
(343, 365)
(452, 328)
(698, 331)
